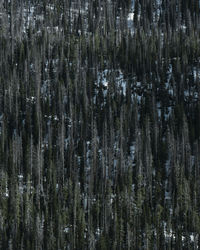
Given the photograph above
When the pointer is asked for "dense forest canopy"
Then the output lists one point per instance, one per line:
(99, 124)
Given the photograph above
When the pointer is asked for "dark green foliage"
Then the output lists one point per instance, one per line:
(99, 124)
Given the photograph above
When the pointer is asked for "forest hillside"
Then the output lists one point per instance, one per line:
(99, 124)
